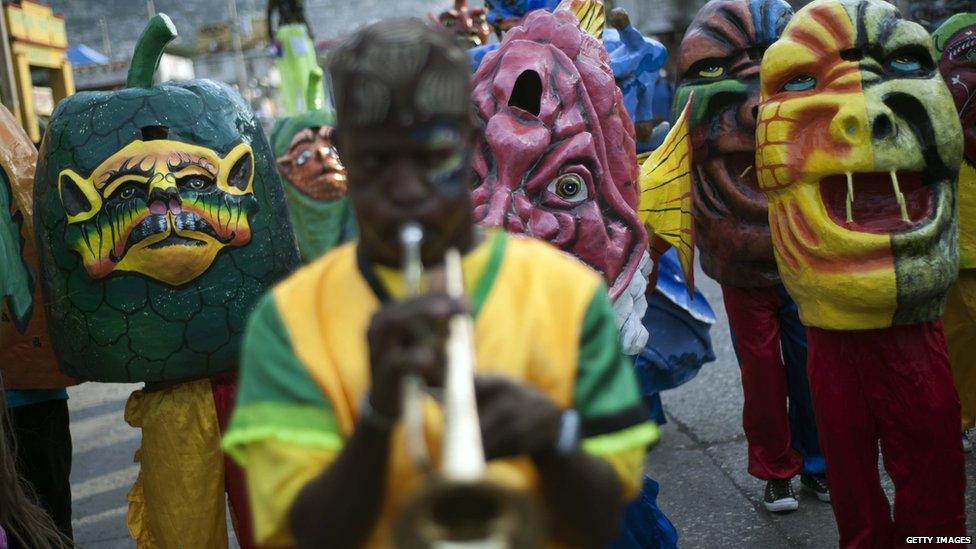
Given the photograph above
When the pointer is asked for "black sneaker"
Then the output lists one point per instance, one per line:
(816, 484)
(779, 496)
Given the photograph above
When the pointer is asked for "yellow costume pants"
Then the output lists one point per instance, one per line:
(959, 323)
(178, 499)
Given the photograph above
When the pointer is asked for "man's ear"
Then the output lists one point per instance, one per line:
(78, 196)
(237, 170)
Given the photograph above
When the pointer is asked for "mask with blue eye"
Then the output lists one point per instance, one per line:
(448, 155)
(905, 64)
(804, 82)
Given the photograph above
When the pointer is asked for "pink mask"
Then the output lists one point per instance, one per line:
(558, 160)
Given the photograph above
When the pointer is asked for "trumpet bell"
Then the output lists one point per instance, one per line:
(468, 515)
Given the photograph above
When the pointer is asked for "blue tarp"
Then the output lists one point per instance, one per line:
(82, 55)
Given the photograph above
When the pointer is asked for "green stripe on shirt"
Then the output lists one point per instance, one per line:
(277, 398)
(605, 382)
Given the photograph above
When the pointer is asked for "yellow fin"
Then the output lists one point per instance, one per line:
(591, 15)
(665, 196)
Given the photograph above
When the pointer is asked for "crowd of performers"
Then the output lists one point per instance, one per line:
(821, 162)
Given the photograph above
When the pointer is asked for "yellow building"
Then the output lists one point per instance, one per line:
(34, 38)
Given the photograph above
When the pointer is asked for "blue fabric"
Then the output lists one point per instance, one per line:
(803, 426)
(769, 16)
(679, 343)
(655, 408)
(678, 346)
(644, 524)
(671, 283)
(499, 10)
(82, 55)
(663, 96)
(636, 62)
(23, 397)
(476, 55)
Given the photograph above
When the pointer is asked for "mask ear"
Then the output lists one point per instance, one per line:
(78, 196)
(237, 170)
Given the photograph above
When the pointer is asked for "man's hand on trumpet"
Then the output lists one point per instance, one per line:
(516, 419)
(408, 338)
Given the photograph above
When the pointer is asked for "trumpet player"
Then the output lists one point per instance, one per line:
(318, 421)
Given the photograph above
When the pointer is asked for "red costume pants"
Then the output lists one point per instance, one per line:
(754, 318)
(891, 385)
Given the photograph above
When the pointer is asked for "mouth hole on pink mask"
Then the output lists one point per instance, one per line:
(527, 93)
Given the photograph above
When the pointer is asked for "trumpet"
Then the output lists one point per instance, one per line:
(456, 506)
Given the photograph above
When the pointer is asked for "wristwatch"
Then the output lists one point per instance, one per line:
(570, 432)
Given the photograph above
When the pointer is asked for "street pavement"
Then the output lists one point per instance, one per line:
(700, 464)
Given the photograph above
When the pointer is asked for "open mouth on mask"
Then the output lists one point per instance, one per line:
(740, 167)
(730, 185)
(879, 202)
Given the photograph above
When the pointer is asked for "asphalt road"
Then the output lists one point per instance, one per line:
(700, 464)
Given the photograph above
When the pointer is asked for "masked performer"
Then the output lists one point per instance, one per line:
(36, 399)
(955, 41)
(470, 25)
(314, 180)
(677, 320)
(718, 65)
(858, 151)
(317, 419)
(160, 220)
(636, 62)
(301, 78)
(558, 160)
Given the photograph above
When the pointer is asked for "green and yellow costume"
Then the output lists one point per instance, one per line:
(540, 317)
(301, 77)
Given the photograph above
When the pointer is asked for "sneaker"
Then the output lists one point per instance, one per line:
(779, 496)
(816, 484)
(967, 442)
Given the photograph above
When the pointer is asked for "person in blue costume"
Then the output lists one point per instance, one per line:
(636, 62)
(679, 343)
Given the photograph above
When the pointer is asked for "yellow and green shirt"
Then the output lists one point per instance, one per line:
(541, 317)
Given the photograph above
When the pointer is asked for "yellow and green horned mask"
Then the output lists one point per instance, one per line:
(858, 151)
(160, 208)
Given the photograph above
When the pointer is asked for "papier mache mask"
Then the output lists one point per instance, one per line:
(314, 180)
(858, 150)
(718, 62)
(558, 160)
(955, 42)
(160, 221)
(470, 25)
